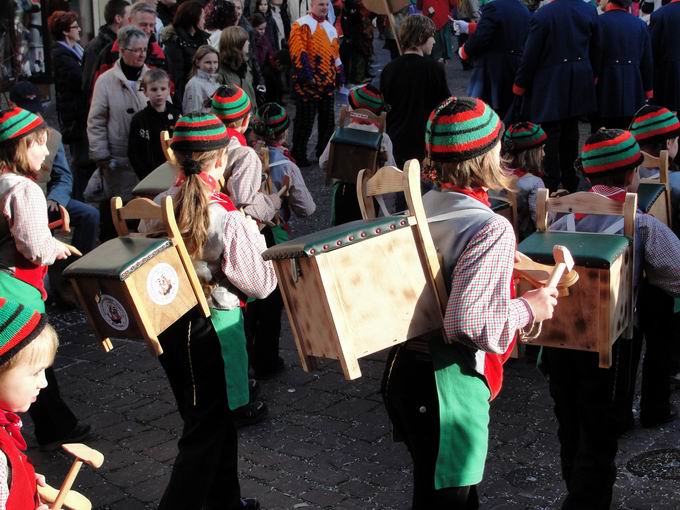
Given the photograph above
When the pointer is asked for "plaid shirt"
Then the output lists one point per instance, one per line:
(4, 480)
(480, 312)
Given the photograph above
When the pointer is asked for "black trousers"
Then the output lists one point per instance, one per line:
(305, 113)
(51, 416)
(410, 394)
(561, 151)
(346, 204)
(584, 399)
(205, 474)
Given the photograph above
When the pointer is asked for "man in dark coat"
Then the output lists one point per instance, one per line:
(557, 82)
(624, 76)
(664, 26)
(495, 48)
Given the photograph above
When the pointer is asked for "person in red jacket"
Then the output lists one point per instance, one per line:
(439, 12)
(27, 347)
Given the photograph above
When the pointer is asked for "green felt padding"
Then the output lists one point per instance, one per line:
(498, 205)
(647, 194)
(357, 138)
(118, 258)
(156, 182)
(336, 237)
(590, 250)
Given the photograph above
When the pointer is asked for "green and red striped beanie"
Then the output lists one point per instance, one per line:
(523, 136)
(19, 326)
(461, 128)
(230, 103)
(271, 119)
(199, 132)
(367, 97)
(610, 151)
(16, 122)
(654, 124)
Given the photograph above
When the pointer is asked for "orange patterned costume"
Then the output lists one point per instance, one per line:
(315, 55)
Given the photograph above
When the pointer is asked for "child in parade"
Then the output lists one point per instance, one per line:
(205, 359)
(345, 206)
(437, 391)
(144, 143)
(584, 394)
(204, 80)
(28, 345)
(523, 148)
(27, 248)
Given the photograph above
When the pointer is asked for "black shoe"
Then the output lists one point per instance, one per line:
(250, 504)
(250, 414)
(655, 421)
(80, 431)
(253, 389)
(263, 373)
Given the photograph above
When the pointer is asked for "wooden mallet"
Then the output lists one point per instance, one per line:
(83, 454)
(563, 262)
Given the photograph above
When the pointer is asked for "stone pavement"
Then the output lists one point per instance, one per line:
(327, 442)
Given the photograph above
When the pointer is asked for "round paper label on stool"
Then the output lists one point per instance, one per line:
(113, 313)
(162, 284)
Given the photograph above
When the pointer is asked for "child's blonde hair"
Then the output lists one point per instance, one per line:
(39, 352)
(154, 75)
(530, 160)
(14, 153)
(201, 52)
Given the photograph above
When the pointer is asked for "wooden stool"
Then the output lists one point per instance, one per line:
(599, 309)
(136, 286)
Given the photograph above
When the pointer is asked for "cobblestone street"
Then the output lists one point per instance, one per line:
(327, 442)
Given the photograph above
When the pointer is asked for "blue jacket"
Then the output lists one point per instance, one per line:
(60, 186)
(496, 48)
(664, 27)
(625, 71)
(556, 72)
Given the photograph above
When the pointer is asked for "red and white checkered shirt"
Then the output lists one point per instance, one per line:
(480, 313)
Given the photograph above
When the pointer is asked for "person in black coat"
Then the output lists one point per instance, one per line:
(557, 82)
(495, 48)
(180, 42)
(664, 26)
(277, 19)
(624, 76)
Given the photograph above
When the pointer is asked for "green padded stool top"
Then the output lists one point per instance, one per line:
(118, 258)
(159, 180)
(590, 250)
(357, 138)
(336, 237)
(498, 205)
(647, 194)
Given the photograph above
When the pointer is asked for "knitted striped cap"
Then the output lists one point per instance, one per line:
(368, 97)
(610, 151)
(653, 124)
(271, 119)
(230, 103)
(19, 326)
(461, 128)
(17, 122)
(199, 132)
(523, 136)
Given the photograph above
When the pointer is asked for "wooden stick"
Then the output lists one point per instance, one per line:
(73, 501)
(67, 484)
(564, 262)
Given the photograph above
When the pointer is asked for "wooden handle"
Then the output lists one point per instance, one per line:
(74, 500)
(67, 484)
(556, 275)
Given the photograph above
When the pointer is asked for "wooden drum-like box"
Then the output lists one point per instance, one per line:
(351, 150)
(355, 289)
(599, 308)
(653, 199)
(133, 287)
(159, 180)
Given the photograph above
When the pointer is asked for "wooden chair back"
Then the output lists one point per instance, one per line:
(361, 114)
(660, 162)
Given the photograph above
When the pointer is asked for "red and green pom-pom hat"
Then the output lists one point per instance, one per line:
(271, 119)
(230, 103)
(523, 136)
(19, 326)
(610, 151)
(654, 124)
(367, 97)
(461, 128)
(199, 132)
(16, 122)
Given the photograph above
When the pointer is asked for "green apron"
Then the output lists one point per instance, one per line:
(228, 325)
(21, 292)
(463, 418)
(280, 234)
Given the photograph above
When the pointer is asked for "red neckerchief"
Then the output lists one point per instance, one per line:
(286, 152)
(478, 194)
(611, 192)
(519, 172)
(232, 133)
(613, 7)
(12, 424)
(215, 194)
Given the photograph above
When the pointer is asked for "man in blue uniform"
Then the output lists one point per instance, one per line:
(664, 26)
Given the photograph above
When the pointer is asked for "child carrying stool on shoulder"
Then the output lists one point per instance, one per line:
(344, 194)
(28, 345)
(523, 148)
(204, 80)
